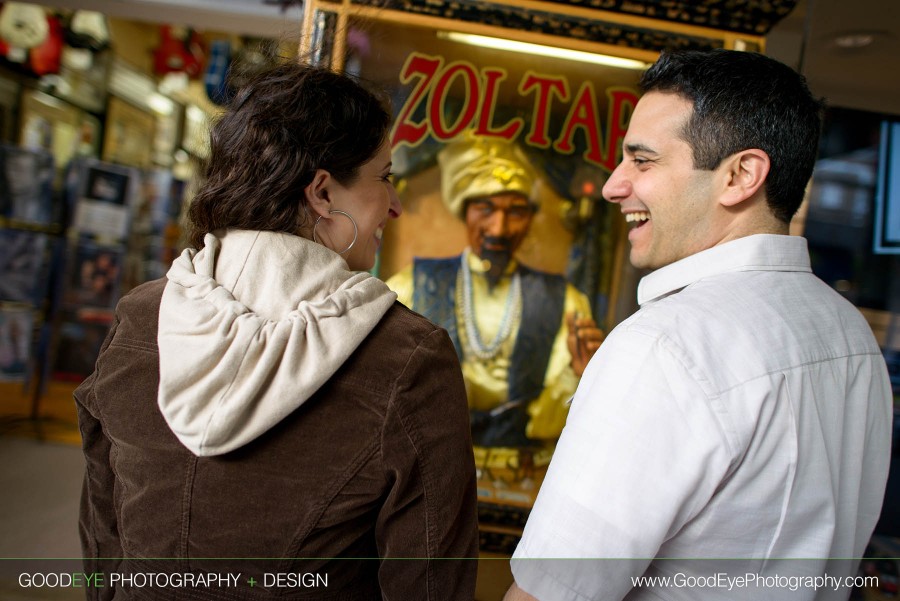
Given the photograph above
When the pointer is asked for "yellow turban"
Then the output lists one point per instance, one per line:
(477, 167)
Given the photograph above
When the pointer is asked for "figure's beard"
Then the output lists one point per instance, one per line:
(497, 258)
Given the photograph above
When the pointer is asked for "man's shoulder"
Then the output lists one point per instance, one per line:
(738, 326)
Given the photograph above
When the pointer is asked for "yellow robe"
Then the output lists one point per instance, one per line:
(486, 380)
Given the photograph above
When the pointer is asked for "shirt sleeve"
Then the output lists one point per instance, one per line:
(641, 454)
(427, 529)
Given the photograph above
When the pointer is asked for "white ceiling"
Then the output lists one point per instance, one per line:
(248, 17)
(865, 78)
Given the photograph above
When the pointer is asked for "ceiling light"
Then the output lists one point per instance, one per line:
(857, 39)
(539, 49)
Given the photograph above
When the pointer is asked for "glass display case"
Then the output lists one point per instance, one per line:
(538, 95)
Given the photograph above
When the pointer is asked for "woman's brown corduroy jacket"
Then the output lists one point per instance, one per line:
(370, 483)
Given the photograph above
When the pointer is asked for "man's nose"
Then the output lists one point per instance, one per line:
(617, 188)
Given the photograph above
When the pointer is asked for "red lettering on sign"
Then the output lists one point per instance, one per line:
(432, 85)
(582, 115)
(439, 96)
(424, 67)
(618, 119)
(546, 86)
(492, 78)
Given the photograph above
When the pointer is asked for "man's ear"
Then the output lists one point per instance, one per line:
(745, 175)
(317, 193)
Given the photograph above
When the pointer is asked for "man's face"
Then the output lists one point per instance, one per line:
(668, 204)
(497, 224)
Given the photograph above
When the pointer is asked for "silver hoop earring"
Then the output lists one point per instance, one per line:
(345, 214)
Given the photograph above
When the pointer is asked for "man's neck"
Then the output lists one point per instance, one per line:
(750, 220)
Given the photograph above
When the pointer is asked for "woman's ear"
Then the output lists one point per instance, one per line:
(746, 173)
(317, 193)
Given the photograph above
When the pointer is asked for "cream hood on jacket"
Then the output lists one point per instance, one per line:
(250, 327)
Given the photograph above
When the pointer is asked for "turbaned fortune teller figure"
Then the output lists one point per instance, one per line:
(523, 336)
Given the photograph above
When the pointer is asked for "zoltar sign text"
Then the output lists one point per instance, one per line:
(432, 80)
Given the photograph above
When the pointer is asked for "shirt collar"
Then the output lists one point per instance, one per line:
(760, 252)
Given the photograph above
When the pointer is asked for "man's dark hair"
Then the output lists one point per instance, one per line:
(745, 100)
(279, 128)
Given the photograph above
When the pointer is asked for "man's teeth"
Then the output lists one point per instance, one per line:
(637, 216)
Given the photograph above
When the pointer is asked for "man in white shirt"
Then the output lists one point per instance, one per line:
(731, 440)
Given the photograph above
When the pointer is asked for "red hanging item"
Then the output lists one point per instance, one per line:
(46, 58)
(179, 53)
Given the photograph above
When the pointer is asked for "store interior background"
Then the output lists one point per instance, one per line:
(110, 108)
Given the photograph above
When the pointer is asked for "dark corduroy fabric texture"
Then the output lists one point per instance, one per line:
(371, 481)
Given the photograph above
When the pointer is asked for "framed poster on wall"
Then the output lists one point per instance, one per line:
(94, 275)
(16, 326)
(887, 198)
(26, 186)
(128, 138)
(51, 124)
(23, 263)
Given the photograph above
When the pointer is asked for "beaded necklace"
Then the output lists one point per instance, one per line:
(511, 312)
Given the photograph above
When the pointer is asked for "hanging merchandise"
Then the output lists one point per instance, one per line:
(216, 78)
(46, 58)
(231, 64)
(22, 26)
(88, 30)
(179, 49)
(86, 35)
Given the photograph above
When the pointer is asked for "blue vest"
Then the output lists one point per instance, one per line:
(543, 301)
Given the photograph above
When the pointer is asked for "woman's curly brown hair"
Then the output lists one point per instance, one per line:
(278, 130)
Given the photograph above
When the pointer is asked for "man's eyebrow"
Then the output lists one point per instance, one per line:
(633, 148)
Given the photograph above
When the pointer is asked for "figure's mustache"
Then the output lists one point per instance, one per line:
(496, 243)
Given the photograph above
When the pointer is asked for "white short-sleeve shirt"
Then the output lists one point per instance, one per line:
(737, 425)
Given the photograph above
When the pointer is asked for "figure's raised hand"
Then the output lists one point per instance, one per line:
(584, 339)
